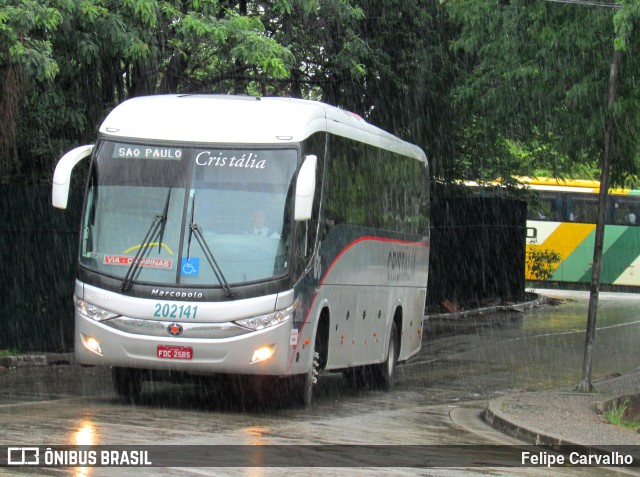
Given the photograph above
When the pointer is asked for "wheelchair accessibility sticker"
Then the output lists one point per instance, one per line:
(190, 267)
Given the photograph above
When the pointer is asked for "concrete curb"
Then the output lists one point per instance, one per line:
(41, 359)
(497, 315)
(500, 421)
(533, 301)
(493, 416)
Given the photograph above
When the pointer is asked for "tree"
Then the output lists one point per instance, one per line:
(539, 74)
(93, 54)
(409, 72)
(624, 25)
(25, 52)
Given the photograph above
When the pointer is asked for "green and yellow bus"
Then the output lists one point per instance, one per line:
(561, 226)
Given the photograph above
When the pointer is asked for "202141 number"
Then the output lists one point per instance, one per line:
(175, 311)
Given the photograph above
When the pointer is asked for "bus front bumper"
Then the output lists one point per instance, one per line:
(263, 352)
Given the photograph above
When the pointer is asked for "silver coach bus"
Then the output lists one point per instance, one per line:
(270, 237)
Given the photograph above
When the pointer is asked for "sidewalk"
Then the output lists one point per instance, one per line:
(565, 417)
(562, 417)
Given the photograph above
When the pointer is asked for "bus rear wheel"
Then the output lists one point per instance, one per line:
(384, 373)
(127, 383)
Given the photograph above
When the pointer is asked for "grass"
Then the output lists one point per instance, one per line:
(8, 352)
(616, 415)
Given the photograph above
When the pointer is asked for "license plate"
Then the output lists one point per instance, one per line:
(174, 352)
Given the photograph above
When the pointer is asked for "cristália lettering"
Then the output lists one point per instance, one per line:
(247, 160)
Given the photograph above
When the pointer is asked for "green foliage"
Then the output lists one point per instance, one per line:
(617, 415)
(488, 88)
(539, 72)
(540, 263)
(26, 27)
(80, 58)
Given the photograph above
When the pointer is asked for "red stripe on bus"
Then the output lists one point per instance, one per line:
(372, 238)
(335, 260)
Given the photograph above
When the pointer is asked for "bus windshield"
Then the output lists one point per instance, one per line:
(145, 201)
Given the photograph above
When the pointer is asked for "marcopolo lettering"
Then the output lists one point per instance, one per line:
(175, 294)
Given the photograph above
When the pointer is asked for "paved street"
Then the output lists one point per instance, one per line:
(438, 397)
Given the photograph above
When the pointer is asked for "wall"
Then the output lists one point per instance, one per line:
(477, 251)
(477, 256)
(38, 246)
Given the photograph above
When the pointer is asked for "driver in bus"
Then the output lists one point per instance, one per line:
(259, 227)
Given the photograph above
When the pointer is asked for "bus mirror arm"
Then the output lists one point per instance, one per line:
(62, 175)
(305, 188)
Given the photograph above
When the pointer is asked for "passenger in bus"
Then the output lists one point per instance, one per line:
(630, 219)
(259, 227)
(562, 209)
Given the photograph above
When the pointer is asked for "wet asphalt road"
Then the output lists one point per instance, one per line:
(437, 399)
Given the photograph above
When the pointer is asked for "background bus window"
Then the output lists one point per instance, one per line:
(624, 210)
(562, 208)
(585, 208)
(540, 208)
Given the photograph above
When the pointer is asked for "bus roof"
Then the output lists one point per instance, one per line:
(568, 185)
(227, 119)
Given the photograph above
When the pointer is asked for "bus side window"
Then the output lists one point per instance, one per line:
(562, 208)
(626, 210)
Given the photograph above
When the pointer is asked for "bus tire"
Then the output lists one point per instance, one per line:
(384, 373)
(127, 383)
(304, 383)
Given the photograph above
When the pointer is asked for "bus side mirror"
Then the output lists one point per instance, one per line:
(305, 188)
(62, 175)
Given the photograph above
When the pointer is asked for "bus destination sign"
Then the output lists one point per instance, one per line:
(134, 151)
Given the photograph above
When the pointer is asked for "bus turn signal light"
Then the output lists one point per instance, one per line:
(91, 344)
(264, 353)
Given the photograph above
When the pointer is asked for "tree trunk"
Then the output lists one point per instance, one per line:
(13, 82)
(585, 385)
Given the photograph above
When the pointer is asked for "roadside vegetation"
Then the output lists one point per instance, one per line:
(488, 88)
(618, 414)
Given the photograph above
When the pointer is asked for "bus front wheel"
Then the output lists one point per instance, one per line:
(304, 383)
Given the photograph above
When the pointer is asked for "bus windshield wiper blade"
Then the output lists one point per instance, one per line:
(163, 219)
(195, 229)
(154, 233)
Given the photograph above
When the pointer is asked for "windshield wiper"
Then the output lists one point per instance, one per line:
(195, 229)
(154, 233)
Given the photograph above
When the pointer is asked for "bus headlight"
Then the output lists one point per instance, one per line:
(265, 321)
(92, 311)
